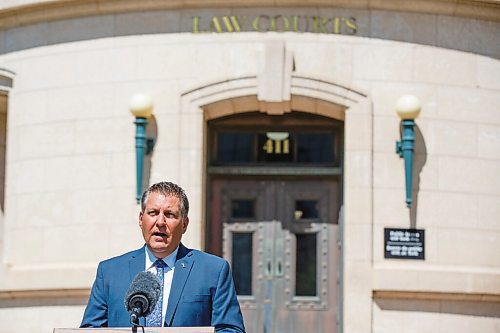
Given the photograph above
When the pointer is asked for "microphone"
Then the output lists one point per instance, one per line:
(142, 296)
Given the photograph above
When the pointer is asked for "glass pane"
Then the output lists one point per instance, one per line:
(242, 263)
(306, 209)
(242, 209)
(315, 148)
(234, 147)
(305, 284)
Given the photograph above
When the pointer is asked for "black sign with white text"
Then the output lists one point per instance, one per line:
(404, 243)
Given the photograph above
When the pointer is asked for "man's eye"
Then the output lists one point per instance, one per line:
(153, 213)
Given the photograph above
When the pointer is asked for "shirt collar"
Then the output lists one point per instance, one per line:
(169, 260)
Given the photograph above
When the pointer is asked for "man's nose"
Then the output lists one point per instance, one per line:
(161, 220)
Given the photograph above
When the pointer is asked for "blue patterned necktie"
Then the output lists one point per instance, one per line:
(154, 318)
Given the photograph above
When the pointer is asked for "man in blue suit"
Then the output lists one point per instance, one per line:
(198, 288)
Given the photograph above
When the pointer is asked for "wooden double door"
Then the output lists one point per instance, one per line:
(281, 239)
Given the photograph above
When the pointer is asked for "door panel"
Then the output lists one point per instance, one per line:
(281, 240)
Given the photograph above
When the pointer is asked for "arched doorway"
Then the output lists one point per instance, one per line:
(274, 186)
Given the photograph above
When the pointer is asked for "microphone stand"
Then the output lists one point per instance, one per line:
(134, 328)
(134, 320)
(140, 304)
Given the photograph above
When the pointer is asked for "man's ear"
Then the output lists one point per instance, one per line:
(140, 219)
(185, 222)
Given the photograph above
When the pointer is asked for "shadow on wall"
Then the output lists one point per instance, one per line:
(151, 133)
(468, 308)
(3, 146)
(419, 160)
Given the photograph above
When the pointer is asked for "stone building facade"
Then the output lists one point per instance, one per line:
(222, 71)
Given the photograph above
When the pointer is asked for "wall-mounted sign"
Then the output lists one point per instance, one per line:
(345, 25)
(404, 243)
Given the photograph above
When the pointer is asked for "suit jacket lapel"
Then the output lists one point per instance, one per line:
(183, 266)
(137, 263)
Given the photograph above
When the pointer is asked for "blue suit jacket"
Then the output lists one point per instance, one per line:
(202, 292)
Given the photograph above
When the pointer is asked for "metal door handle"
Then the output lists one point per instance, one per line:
(269, 268)
(279, 268)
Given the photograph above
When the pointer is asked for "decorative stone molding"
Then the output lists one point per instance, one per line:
(6, 80)
(307, 94)
(274, 78)
(32, 12)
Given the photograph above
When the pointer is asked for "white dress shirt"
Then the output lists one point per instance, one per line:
(167, 277)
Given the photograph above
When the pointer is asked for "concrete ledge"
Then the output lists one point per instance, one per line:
(50, 293)
(435, 296)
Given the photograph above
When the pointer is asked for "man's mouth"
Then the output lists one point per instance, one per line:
(160, 234)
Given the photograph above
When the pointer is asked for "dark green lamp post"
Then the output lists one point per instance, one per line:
(408, 108)
(141, 106)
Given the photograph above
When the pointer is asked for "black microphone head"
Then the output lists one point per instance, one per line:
(147, 285)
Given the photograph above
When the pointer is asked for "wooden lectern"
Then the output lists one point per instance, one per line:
(137, 330)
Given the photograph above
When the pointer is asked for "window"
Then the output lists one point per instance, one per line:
(254, 139)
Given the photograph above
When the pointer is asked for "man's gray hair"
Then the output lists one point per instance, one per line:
(167, 189)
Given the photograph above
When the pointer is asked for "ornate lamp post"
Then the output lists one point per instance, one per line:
(408, 108)
(141, 106)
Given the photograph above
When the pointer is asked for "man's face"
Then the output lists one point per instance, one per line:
(162, 225)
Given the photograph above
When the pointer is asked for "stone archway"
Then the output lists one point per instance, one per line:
(310, 94)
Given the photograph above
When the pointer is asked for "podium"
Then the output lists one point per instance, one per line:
(137, 330)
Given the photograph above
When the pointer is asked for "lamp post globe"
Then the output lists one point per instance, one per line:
(141, 105)
(408, 107)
